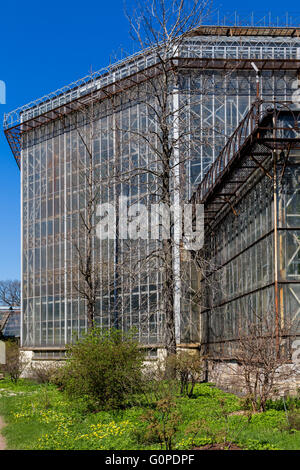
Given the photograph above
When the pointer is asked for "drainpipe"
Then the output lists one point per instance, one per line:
(275, 213)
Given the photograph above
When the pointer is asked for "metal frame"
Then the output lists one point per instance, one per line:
(268, 129)
(14, 133)
(253, 130)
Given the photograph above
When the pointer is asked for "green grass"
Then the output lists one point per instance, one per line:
(41, 417)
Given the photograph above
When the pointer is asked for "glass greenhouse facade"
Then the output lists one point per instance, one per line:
(253, 240)
(216, 87)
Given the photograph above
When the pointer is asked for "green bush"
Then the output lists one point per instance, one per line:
(293, 419)
(188, 370)
(105, 367)
(162, 422)
(289, 402)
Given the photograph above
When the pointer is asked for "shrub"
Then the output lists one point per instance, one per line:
(44, 373)
(292, 422)
(188, 369)
(105, 366)
(158, 383)
(260, 367)
(15, 361)
(162, 422)
(289, 402)
(293, 418)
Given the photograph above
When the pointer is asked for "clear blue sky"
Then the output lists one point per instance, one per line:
(45, 45)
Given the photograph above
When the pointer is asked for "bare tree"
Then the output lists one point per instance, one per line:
(89, 281)
(84, 263)
(156, 164)
(160, 27)
(10, 293)
(260, 368)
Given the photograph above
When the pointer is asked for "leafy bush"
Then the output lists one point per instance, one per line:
(292, 421)
(284, 403)
(188, 369)
(270, 419)
(162, 422)
(105, 367)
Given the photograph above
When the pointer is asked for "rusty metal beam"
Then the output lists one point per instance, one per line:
(238, 64)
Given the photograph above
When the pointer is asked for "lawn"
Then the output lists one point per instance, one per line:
(42, 417)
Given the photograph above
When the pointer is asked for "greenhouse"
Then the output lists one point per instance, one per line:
(52, 140)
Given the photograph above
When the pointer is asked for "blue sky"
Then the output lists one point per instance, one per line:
(45, 45)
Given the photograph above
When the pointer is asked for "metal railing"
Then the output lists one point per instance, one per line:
(253, 121)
